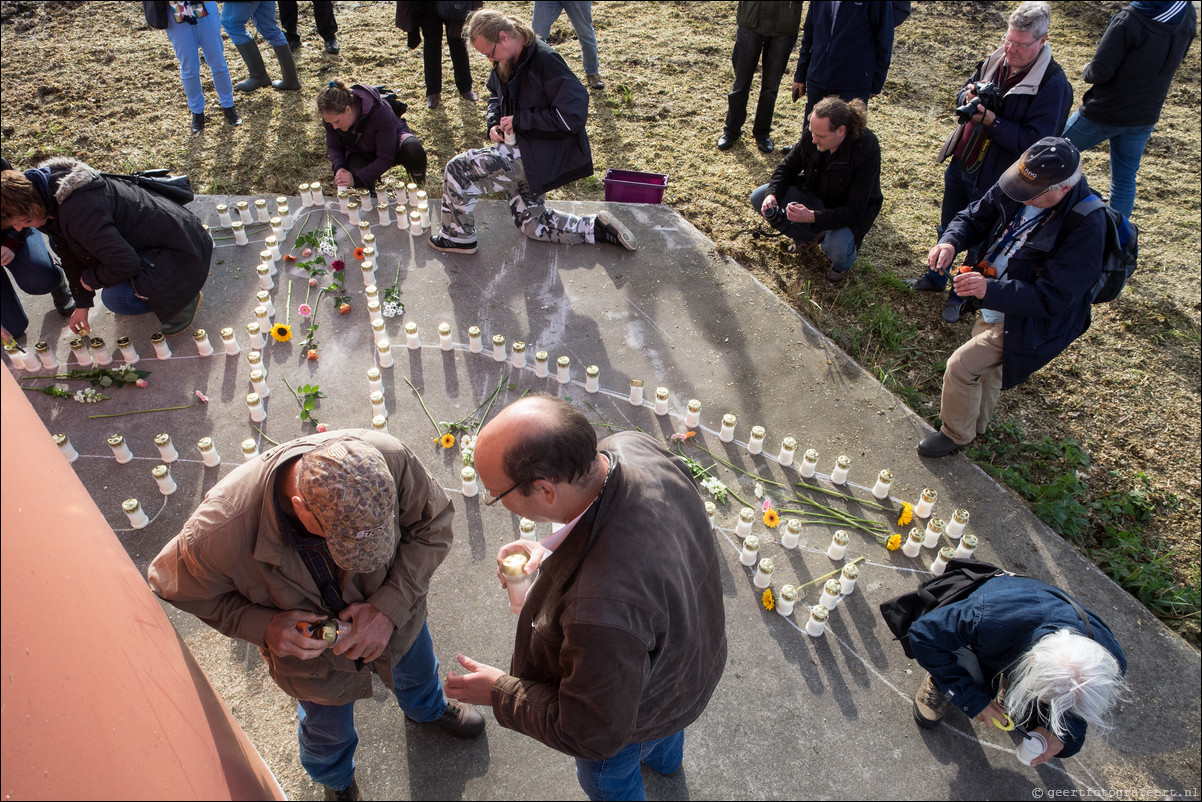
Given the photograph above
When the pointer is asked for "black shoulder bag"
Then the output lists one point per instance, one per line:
(159, 182)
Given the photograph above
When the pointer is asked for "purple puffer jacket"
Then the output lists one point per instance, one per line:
(377, 134)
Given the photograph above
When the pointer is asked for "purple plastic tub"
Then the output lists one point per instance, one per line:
(630, 186)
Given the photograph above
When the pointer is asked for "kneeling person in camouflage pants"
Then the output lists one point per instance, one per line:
(536, 115)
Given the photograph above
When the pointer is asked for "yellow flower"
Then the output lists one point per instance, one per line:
(767, 599)
(893, 543)
(907, 514)
(447, 440)
(771, 519)
(281, 333)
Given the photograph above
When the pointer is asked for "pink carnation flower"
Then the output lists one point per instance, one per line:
(142, 383)
(312, 282)
(307, 252)
(202, 396)
(321, 427)
(305, 310)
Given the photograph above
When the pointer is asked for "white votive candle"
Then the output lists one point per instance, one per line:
(319, 197)
(788, 450)
(258, 413)
(692, 415)
(785, 600)
(137, 516)
(377, 405)
(913, 544)
(955, 527)
(82, 355)
(661, 401)
(375, 384)
(382, 212)
(966, 546)
(526, 530)
(208, 452)
(831, 593)
(838, 546)
(763, 573)
(100, 353)
(379, 423)
(284, 216)
(755, 443)
(816, 625)
(369, 272)
(412, 340)
(277, 227)
(934, 530)
(65, 448)
(468, 482)
(542, 364)
(273, 247)
(378, 332)
(384, 353)
(128, 352)
(925, 502)
(751, 550)
(265, 279)
(848, 577)
(792, 533)
(518, 360)
(839, 473)
(120, 449)
(940, 564)
(250, 449)
(562, 370)
(344, 199)
(162, 475)
(411, 193)
(444, 337)
(257, 338)
(244, 212)
(711, 512)
(161, 349)
(636, 393)
(201, 338)
(229, 342)
(884, 481)
(258, 383)
(498, 347)
(365, 201)
(261, 212)
(415, 223)
(223, 215)
(167, 450)
(239, 232)
(475, 340)
(402, 217)
(746, 520)
(306, 195)
(727, 433)
(592, 379)
(809, 463)
(517, 583)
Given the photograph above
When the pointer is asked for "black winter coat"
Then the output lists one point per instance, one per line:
(108, 231)
(848, 181)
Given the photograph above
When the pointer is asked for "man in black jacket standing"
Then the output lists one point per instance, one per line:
(830, 185)
(1131, 73)
(536, 114)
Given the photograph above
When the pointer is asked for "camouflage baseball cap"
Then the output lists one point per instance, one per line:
(347, 486)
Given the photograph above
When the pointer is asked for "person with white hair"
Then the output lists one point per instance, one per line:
(1020, 648)
(1044, 233)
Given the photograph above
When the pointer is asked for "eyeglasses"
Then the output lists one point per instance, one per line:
(1010, 43)
(490, 56)
(490, 499)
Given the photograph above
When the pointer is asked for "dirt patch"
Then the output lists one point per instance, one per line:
(107, 91)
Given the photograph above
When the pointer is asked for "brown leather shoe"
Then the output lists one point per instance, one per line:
(460, 720)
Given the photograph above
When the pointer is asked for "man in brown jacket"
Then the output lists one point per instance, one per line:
(621, 640)
(346, 526)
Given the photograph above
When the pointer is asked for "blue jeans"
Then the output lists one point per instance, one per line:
(580, 14)
(234, 17)
(750, 49)
(1126, 149)
(839, 244)
(35, 273)
(122, 300)
(618, 777)
(187, 40)
(327, 732)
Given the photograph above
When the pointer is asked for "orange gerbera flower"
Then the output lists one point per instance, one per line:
(344, 309)
(447, 440)
(312, 354)
(771, 519)
(359, 254)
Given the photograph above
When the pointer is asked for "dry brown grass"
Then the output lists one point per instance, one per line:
(103, 88)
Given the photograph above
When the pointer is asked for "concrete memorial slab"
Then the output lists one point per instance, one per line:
(795, 715)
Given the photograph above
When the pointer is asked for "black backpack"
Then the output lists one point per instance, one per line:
(960, 579)
(1119, 254)
(388, 96)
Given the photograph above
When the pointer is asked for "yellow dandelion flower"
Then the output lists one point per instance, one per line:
(907, 514)
(447, 440)
(768, 600)
(281, 333)
(771, 519)
(893, 543)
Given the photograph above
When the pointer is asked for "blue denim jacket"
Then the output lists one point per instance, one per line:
(998, 623)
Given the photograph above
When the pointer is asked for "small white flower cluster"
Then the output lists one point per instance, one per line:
(468, 444)
(392, 309)
(326, 248)
(715, 488)
(89, 396)
(759, 490)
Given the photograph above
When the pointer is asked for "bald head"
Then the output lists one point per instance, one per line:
(537, 437)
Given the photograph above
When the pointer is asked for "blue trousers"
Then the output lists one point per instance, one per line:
(35, 273)
(122, 300)
(205, 36)
(839, 244)
(1126, 150)
(618, 777)
(327, 732)
(580, 14)
(234, 17)
(752, 49)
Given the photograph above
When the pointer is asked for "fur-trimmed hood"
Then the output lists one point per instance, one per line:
(75, 174)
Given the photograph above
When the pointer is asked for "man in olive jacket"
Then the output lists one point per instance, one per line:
(621, 640)
(347, 526)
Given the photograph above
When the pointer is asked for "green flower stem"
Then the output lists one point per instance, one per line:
(140, 411)
(844, 496)
(344, 231)
(288, 304)
(824, 577)
(288, 384)
(740, 470)
(265, 437)
(827, 518)
(433, 422)
(496, 393)
(842, 522)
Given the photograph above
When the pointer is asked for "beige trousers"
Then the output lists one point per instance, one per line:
(972, 383)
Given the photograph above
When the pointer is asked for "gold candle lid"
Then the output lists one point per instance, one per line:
(794, 526)
(969, 540)
(368, 266)
(343, 193)
(76, 345)
(364, 225)
(221, 207)
(916, 535)
(519, 347)
(411, 328)
(445, 329)
(257, 375)
(929, 495)
(262, 204)
(378, 325)
(468, 474)
(514, 565)
(373, 374)
(376, 398)
(851, 571)
(253, 326)
(767, 566)
(789, 444)
(526, 525)
(843, 461)
(383, 346)
(947, 553)
(122, 342)
(811, 455)
(43, 346)
(96, 342)
(473, 332)
(757, 432)
(199, 335)
(729, 419)
(60, 439)
(249, 446)
(252, 399)
(747, 514)
(563, 361)
(237, 224)
(885, 476)
(379, 422)
(661, 393)
(159, 471)
(819, 613)
(205, 444)
(751, 543)
(371, 291)
(263, 269)
(243, 205)
(162, 439)
(694, 405)
(637, 383)
(833, 587)
(935, 524)
(277, 222)
(711, 509)
(115, 440)
(158, 337)
(130, 505)
(226, 334)
(498, 339)
(541, 356)
(960, 516)
(788, 593)
(841, 537)
(280, 200)
(254, 357)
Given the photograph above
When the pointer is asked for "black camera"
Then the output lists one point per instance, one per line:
(774, 213)
(989, 98)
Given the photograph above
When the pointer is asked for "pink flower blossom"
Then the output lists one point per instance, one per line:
(321, 427)
(680, 437)
(307, 252)
(201, 396)
(337, 265)
(142, 383)
(312, 282)
(305, 310)
(767, 505)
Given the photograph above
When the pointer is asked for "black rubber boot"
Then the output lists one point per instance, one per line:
(64, 303)
(253, 60)
(198, 122)
(290, 80)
